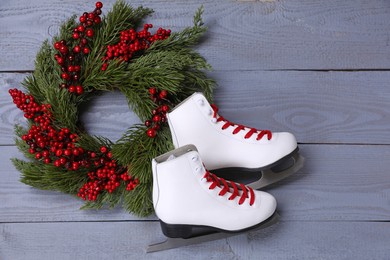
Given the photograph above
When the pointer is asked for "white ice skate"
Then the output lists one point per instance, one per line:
(235, 152)
(195, 206)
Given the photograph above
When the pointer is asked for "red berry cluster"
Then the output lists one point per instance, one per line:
(131, 42)
(31, 109)
(106, 176)
(45, 142)
(159, 114)
(58, 147)
(69, 58)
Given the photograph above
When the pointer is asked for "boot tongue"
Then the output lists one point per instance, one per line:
(171, 157)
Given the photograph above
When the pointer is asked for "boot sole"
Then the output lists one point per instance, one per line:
(192, 231)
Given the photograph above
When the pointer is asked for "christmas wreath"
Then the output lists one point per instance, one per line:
(91, 55)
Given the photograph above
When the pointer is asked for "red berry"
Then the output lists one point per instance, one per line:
(80, 28)
(63, 49)
(76, 49)
(152, 91)
(83, 41)
(103, 149)
(151, 132)
(60, 60)
(165, 108)
(91, 16)
(99, 5)
(62, 160)
(72, 89)
(156, 118)
(76, 35)
(68, 152)
(148, 123)
(79, 90)
(109, 155)
(163, 94)
(75, 166)
(89, 33)
(45, 153)
(57, 163)
(83, 19)
(97, 19)
(86, 50)
(58, 153)
(57, 45)
(65, 76)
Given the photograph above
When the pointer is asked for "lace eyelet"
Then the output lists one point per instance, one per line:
(194, 159)
(201, 102)
(213, 120)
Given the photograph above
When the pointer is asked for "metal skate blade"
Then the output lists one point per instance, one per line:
(171, 243)
(269, 176)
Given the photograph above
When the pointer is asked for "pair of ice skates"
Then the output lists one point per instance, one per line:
(195, 205)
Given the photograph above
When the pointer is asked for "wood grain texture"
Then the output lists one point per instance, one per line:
(338, 182)
(128, 240)
(318, 107)
(242, 35)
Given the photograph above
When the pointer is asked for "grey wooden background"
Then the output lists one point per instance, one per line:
(320, 69)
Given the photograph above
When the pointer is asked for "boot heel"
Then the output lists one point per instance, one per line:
(176, 231)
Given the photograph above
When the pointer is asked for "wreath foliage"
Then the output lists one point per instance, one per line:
(169, 65)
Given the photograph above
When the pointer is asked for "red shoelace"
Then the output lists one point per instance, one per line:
(238, 128)
(218, 182)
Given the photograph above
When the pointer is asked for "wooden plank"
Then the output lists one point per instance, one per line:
(254, 35)
(338, 182)
(318, 107)
(128, 240)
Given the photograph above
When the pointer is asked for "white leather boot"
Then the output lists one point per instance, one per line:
(187, 197)
(235, 152)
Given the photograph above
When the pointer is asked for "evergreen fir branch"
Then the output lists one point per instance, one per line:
(24, 148)
(139, 200)
(112, 78)
(49, 177)
(96, 204)
(198, 22)
(121, 17)
(43, 78)
(106, 199)
(189, 37)
(66, 30)
(197, 80)
(138, 99)
(20, 130)
(44, 83)
(93, 143)
(172, 59)
(136, 150)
